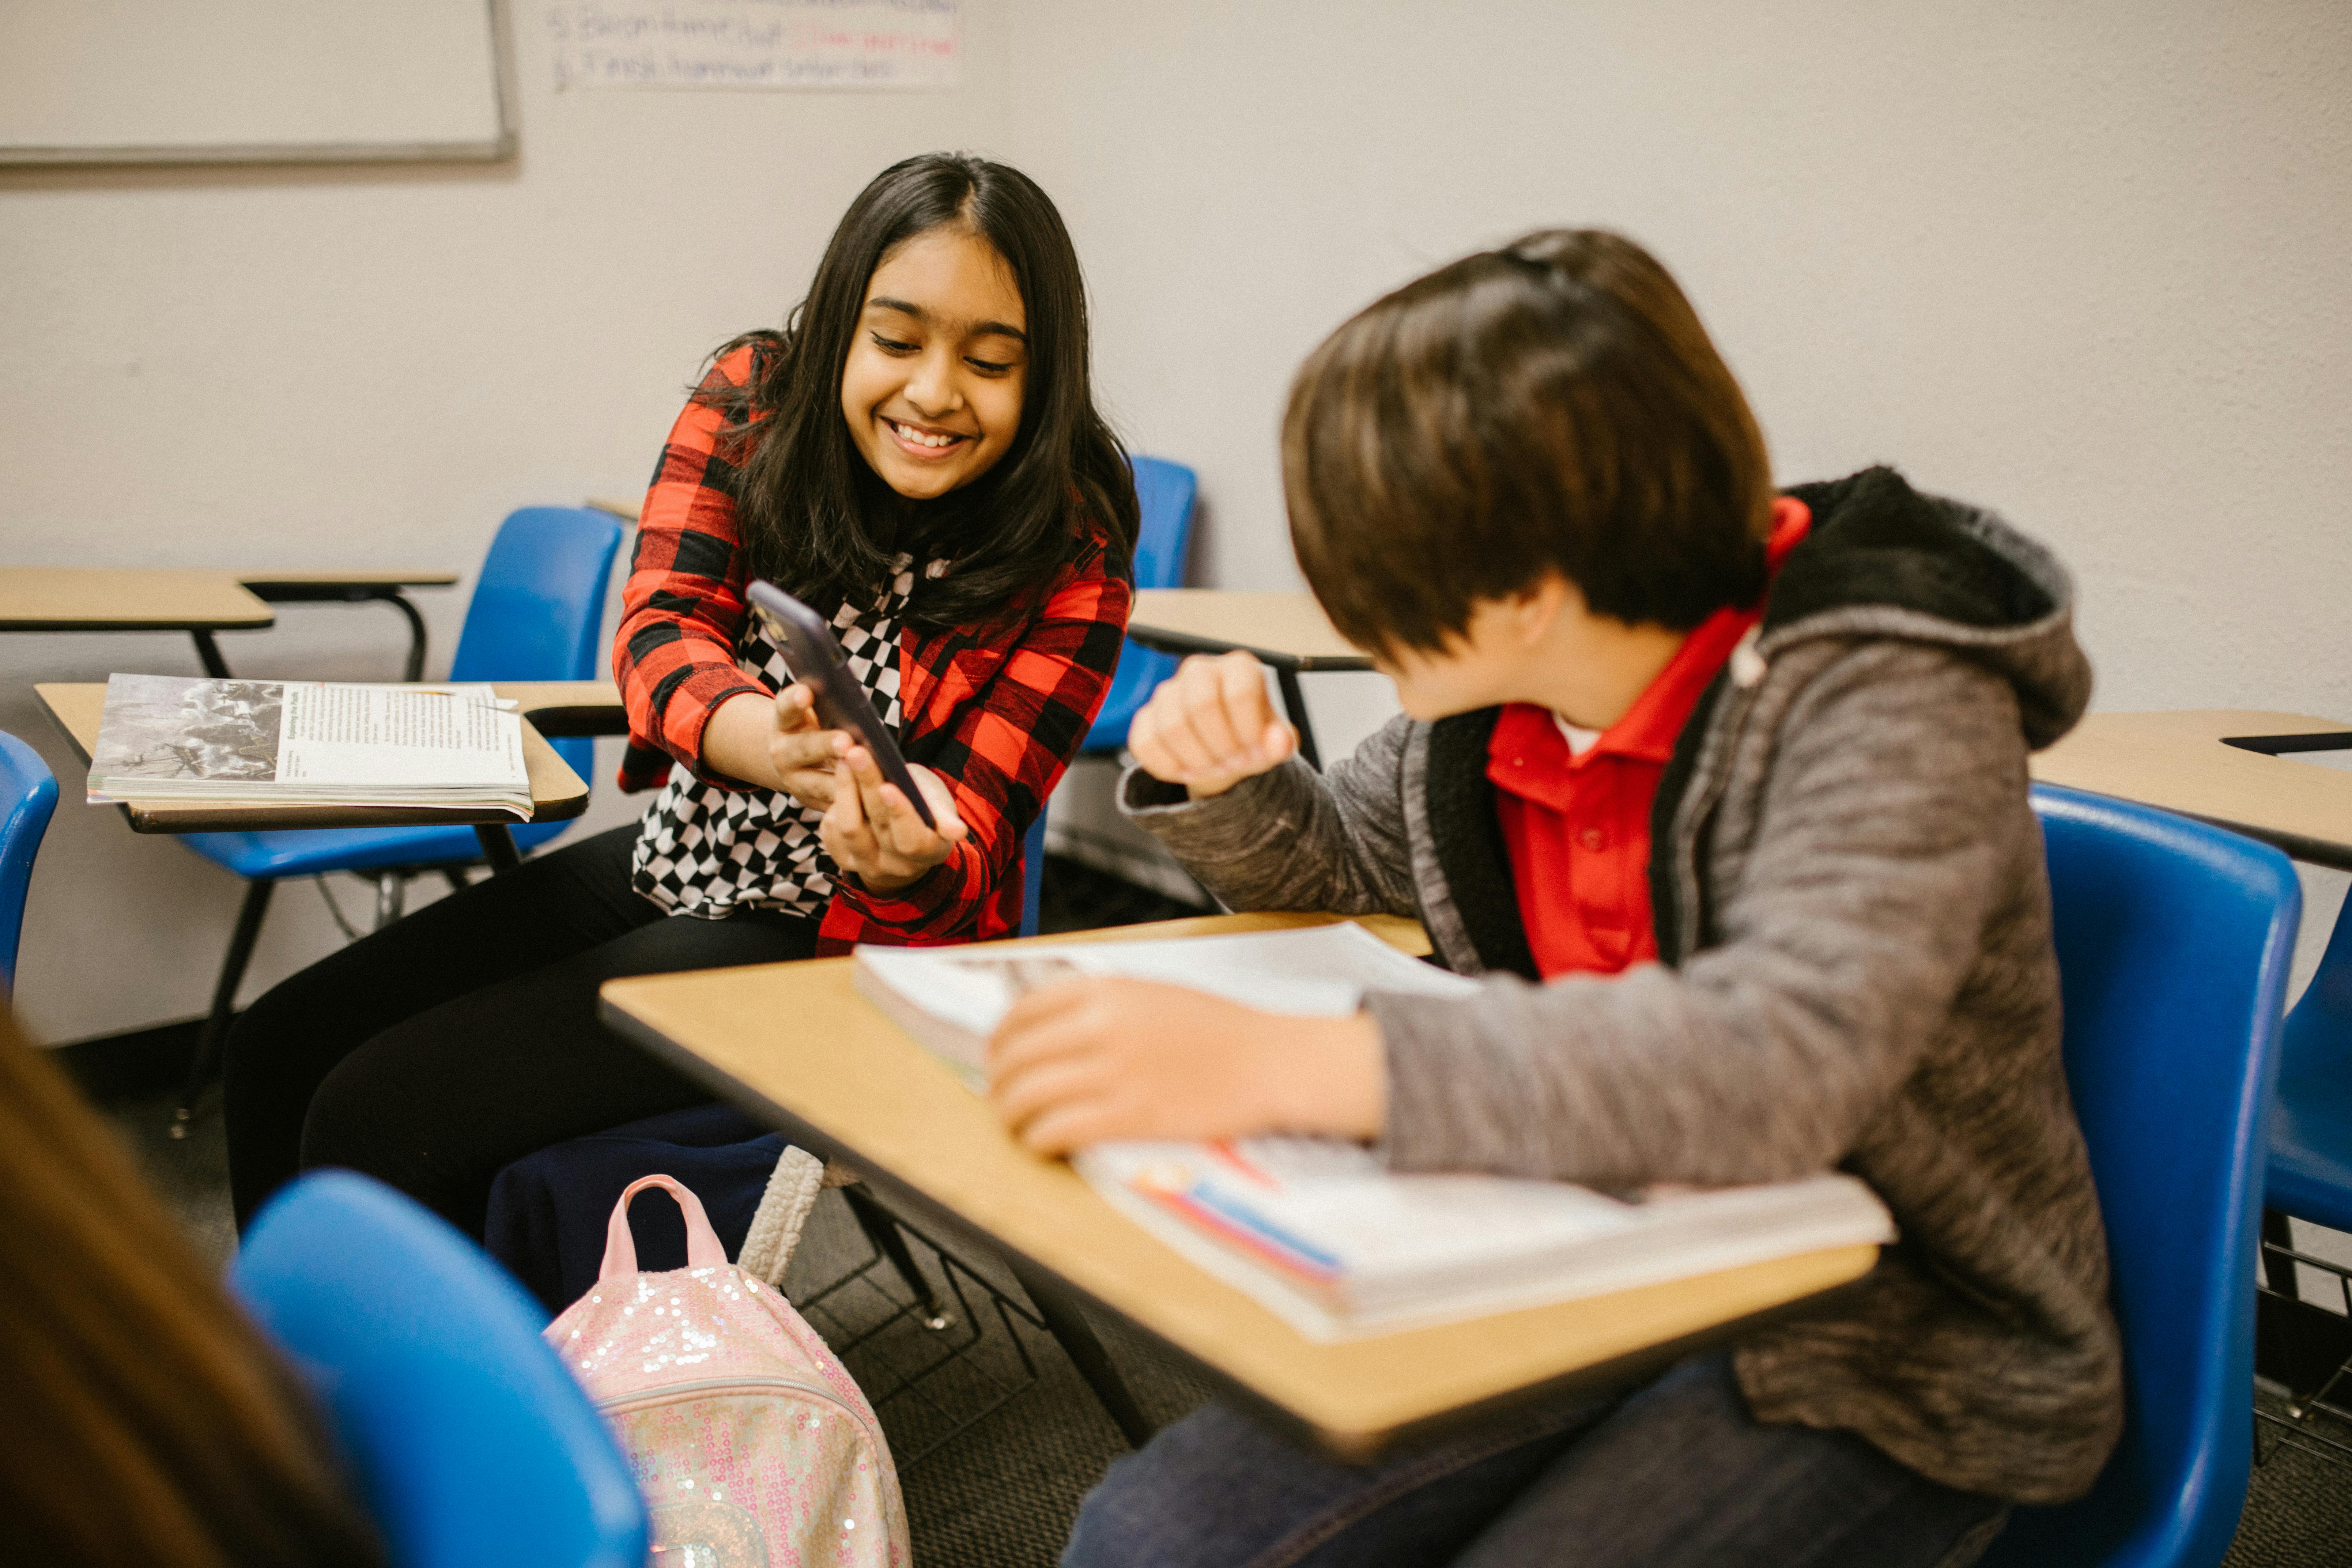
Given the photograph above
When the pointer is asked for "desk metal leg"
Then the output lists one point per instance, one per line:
(209, 1044)
(1069, 1326)
(497, 846)
(883, 1231)
(2278, 1272)
(1293, 702)
(414, 670)
(209, 652)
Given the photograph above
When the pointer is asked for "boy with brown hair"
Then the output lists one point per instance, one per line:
(1725, 795)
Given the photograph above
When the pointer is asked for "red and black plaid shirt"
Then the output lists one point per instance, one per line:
(996, 710)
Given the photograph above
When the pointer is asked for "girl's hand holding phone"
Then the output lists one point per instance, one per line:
(803, 752)
(1210, 725)
(871, 829)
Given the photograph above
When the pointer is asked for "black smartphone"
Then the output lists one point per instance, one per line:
(816, 659)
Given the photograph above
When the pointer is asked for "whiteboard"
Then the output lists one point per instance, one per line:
(798, 45)
(195, 81)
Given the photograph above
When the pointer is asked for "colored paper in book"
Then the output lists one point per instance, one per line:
(1322, 1234)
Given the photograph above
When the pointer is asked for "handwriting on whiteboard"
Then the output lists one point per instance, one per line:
(754, 43)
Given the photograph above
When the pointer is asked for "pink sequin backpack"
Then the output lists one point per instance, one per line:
(751, 1444)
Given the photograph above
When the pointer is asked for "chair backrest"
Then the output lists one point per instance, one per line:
(470, 1441)
(1033, 873)
(538, 610)
(2310, 1127)
(28, 794)
(2174, 940)
(1166, 492)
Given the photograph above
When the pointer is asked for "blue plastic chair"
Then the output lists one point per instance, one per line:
(536, 614)
(28, 794)
(2310, 1175)
(2311, 1129)
(1033, 873)
(2173, 945)
(469, 1441)
(1166, 492)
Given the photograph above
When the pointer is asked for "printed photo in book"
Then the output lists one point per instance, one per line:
(167, 727)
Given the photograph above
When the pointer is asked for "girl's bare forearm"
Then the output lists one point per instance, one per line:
(735, 741)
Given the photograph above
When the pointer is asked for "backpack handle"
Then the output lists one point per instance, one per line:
(702, 1246)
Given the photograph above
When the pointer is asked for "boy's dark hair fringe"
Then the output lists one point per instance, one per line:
(1552, 406)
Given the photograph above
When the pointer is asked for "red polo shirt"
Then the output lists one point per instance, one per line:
(1577, 823)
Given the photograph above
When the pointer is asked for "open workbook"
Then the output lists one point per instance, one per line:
(1318, 1231)
(308, 742)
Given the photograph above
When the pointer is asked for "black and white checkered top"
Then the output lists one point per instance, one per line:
(703, 851)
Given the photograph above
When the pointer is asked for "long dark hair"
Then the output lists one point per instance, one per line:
(147, 1422)
(821, 524)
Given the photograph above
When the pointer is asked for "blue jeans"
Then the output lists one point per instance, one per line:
(1674, 1475)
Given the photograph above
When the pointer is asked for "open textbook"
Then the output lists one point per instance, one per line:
(307, 743)
(1320, 1234)
(950, 998)
(1317, 1231)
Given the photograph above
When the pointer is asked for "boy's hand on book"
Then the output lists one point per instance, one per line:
(1210, 725)
(872, 830)
(1089, 1061)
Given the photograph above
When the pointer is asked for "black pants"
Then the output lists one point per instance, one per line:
(436, 1050)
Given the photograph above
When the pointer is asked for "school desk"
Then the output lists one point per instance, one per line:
(276, 586)
(198, 601)
(796, 1044)
(567, 707)
(1288, 633)
(2232, 767)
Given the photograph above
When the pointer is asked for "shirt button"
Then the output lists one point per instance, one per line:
(1589, 838)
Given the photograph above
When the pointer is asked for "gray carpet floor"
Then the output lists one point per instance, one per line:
(1000, 1490)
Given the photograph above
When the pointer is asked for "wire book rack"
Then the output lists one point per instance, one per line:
(2318, 1421)
(932, 1370)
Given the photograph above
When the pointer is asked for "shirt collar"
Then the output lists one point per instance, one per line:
(1648, 729)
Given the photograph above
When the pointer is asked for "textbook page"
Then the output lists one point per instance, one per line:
(950, 999)
(1320, 1233)
(452, 736)
(284, 742)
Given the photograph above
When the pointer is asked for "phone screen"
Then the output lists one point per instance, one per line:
(809, 648)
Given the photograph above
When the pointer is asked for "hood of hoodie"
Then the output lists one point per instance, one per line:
(1883, 560)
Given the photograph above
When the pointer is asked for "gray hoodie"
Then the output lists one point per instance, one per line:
(1853, 926)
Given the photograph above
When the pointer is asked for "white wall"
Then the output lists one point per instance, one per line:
(319, 366)
(2084, 263)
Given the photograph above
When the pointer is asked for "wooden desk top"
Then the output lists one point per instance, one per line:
(560, 709)
(794, 1042)
(1280, 628)
(626, 510)
(187, 599)
(557, 793)
(126, 598)
(2177, 761)
(320, 582)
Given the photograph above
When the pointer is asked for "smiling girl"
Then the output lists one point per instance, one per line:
(916, 454)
